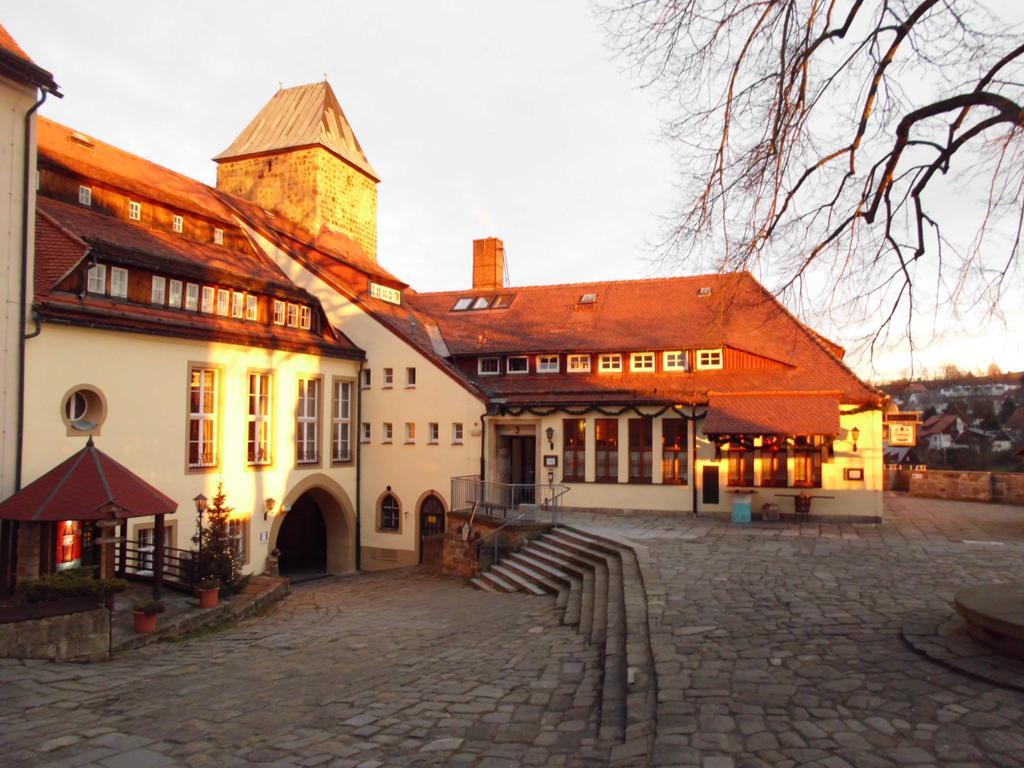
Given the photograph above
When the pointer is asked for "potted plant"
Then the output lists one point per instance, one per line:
(208, 590)
(145, 615)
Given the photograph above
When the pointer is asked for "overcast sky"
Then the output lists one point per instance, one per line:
(504, 119)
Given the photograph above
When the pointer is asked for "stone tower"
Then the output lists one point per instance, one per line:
(300, 157)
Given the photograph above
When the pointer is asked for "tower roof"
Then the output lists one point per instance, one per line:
(303, 116)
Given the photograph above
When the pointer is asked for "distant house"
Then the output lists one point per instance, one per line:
(974, 439)
(1002, 441)
(939, 432)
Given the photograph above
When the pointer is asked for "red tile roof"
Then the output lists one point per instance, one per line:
(9, 44)
(773, 413)
(87, 486)
(58, 251)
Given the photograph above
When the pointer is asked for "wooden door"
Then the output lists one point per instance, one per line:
(710, 484)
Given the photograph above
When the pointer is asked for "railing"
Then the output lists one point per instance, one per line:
(503, 500)
(138, 559)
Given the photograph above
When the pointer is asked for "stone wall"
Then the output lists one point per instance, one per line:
(1008, 487)
(81, 636)
(1001, 487)
(458, 557)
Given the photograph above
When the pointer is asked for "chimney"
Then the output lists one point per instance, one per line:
(488, 264)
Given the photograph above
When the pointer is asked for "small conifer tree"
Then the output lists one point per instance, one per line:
(217, 558)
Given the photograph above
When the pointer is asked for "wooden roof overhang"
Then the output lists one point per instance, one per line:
(87, 486)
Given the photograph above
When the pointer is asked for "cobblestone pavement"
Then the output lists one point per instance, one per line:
(385, 669)
(779, 645)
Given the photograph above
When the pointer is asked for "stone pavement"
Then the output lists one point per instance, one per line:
(384, 669)
(779, 645)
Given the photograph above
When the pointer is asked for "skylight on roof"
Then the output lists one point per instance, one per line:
(462, 304)
(588, 298)
(482, 303)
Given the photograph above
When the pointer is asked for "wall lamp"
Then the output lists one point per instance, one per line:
(854, 436)
(550, 432)
(268, 508)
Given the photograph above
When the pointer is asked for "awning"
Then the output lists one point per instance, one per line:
(87, 486)
(774, 413)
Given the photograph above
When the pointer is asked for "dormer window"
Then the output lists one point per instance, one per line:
(192, 297)
(641, 362)
(547, 363)
(611, 363)
(97, 281)
(293, 315)
(158, 290)
(578, 364)
(134, 210)
(517, 364)
(386, 293)
(305, 318)
(709, 359)
(462, 304)
(178, 223)
(237, 305)
(223, 302)
(218, 236)
(174, 293)
(119, 282)
(674, 361)
(252, 308)
(488, 366)
(279, 312)
(84, 195)
(208, 298)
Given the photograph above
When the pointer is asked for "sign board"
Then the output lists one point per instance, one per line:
(902, 434)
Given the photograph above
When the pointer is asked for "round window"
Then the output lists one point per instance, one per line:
(83, 410)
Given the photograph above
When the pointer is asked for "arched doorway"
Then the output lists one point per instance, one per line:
(302, 539)
(432, 519)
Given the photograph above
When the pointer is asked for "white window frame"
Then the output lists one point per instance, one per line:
(252, 307)
(680, 363)
(387, 378)
(387, 432)
(238, 534)
(119, 282)
(643, 362)
(158, 290)
(410, 377)
(365, 432)
(178, 223)
(84, 195)
(457, 433)
(433, 433)
(237, 305)
(610, 362)
(223, 302)
(259, 415)
(480, 366)
(341, 422)
(572, 363)
(709, 359)
(135, 210)
(279, 312)
(293, 315)
(206, 414)
(192, 297)
(544, 363)
(305, 317)
(218, 236)
(174, 293)
(410, 432)
(209, 299)
(307, 421)
(96, 281)
(365, 379)
(508, 365)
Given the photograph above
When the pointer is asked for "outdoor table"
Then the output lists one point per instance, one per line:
(802, 503)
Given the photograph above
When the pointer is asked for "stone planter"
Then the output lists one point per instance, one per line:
(145, 623)
(208, 598)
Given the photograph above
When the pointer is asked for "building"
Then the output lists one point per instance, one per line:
(247, 335)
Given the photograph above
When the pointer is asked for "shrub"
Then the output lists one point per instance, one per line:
(74, 582)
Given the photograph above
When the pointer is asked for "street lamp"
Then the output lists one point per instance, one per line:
(550, 432)
(855, 433)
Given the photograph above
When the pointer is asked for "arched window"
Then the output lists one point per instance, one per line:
(390, 513)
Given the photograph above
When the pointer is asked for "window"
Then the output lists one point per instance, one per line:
(293, 316)
(609, 363)
(606, 439)
(482, 303)
(134, 210)
(387, 432)
(238, 535)
(673, 451)
(740, 460)
(807, 461)
(502, 301)
(365, 432)
(177, 223)
(385, 293)
(341, 423)
(307, 422)
(237, 305)
(85, 195)
(674, 361)
(305, 318)
(641, 362)
(410, 431)
(574, 450)
(773, 464)
(547, 363)
(209, 294)
(218, 236)
(709, 359)
(174, 293)
(158, 290)
(192, 297)
(410, 377)
(588, 298)
(279, 312)
(488, 366)
(517, 364)
(252, 308)
(119, 282)
(641, 439)
(457, 433)
(364, 378)
(433, 433)
(202, 434)
(390, 513)
(258, 438)
(462, 304)
(223, 302)
(578, 364)
(387, 378)
(97, 279)
(84, 410)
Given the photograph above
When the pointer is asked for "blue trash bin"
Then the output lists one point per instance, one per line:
(742, 505)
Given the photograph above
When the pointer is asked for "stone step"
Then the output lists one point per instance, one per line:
(583, 575)
(598, 568)
(497, 582)
(522, 584)
(524, 570)
(565, 583)
(480, 583)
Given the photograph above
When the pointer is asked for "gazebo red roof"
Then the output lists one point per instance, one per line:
(87, 486)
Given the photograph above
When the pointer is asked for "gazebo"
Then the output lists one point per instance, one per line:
(86, 488)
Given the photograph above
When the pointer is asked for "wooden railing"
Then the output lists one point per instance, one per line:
(134, 561)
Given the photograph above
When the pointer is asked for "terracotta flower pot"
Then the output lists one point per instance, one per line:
(145, 623)
(208, 598)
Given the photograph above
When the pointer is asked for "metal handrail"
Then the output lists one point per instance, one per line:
(479, 542)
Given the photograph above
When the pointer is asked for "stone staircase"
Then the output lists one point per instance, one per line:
(596, 582)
